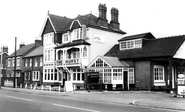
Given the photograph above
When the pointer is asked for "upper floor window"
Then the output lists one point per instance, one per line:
(49, 55)
(36, 62)
(9, 62)
(76, 53)
(26, 63)
(85, 51)
(41, 61)
(130, 44)
(30, 62)
(12, 61)
(77, 33)
(48, 38)
(65, 38)
(18, 61)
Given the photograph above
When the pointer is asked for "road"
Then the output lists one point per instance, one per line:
(23, 102)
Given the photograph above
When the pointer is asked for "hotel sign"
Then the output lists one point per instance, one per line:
(99, 38)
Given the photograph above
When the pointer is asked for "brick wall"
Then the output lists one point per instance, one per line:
(142, 71)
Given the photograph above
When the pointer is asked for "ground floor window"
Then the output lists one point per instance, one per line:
(36, 75)
(18, 74)
(107, 76)
(78, 75)
(27, 75)
(117, 74)
(50, 75)
(158, 73)
(131, 75)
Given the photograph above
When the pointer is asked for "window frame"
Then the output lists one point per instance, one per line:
(48, 38)
(130, 44)
(36, 76)
(158, 77)
(9, 62)
(131, 74)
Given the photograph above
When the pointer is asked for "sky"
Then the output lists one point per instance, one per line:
(24, 19)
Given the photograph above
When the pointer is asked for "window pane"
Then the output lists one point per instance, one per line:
(158, 73)
(78, 76)
(74, 76)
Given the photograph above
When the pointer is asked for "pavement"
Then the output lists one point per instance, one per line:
(138, 98)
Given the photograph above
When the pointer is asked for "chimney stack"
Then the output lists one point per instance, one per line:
(114, 18)
(21, 45)
(5, 49)
(102, 19)
(38, 43)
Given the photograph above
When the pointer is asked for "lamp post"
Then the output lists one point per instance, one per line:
(15, 63)
(1, 66)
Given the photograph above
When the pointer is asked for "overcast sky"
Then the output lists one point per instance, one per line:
(24, 19)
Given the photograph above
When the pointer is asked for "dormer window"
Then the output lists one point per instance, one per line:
(77, 33)
(48, 38)
(65, 38)
(130, 44)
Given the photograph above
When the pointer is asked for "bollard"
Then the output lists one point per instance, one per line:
(50, 88)
(59, 88)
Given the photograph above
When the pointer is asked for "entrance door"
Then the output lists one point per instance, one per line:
(125, 80)
(64, 77)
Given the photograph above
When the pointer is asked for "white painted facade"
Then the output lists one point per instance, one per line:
(180, 52)
(100, 42)
(100, 47)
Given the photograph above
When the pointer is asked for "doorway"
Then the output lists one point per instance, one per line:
(125, 80)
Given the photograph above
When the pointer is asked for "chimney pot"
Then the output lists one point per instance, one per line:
(114, 18)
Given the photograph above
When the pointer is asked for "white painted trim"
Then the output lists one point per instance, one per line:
(73, 23)
(180, 52)
(43, 26)
(95, 61)
(158, 66)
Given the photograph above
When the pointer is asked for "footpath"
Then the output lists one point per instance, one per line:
(137, 98)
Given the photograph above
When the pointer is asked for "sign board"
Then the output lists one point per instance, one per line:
(180, 81)
(68, 86)
(181, 76)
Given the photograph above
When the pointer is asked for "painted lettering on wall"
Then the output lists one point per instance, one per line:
(99, 38)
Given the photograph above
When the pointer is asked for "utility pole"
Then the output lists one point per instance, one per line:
(14, 83)
(1, 65)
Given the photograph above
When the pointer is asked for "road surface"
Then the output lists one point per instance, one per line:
(23, 102)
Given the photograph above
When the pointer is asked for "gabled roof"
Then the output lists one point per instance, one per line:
(147, 35)
(111, 61)
(58, 22)
(91, 20)
(36, 52)
(161, 47)
(23, 50)
(74, 43)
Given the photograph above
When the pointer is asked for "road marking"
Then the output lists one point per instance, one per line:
(19, 98)
(75, 107)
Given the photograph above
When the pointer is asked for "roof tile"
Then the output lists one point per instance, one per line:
(153, 48)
